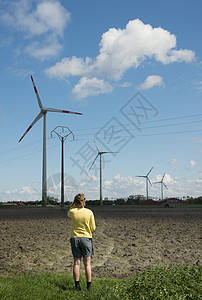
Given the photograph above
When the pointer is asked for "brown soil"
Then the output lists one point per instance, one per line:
(127, 239)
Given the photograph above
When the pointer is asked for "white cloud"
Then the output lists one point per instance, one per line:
(45, 24)
(173, 161)
(122, 49)
(114, 59)
(125, 84)
(70, 67)
(192, 164)
(45, 50)
(169, 180)
(91, 87)
(116, 187)
(23, 194)
(49, 16)
(151, 81)
(120, 186)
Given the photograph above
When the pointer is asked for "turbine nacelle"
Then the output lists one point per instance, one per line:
(162, 185)
(147, 180)
(44, 110)
(99, 153)
(161, 182)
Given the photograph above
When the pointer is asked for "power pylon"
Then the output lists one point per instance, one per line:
(64, 133)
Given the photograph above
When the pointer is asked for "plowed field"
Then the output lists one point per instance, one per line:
(127, 239)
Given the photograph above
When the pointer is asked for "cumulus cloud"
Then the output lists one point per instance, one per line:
(70, 67)
(45, 23)
(173, 161)
(120, 186)
(23, 194)
(125, 84)
(122, 49)
(114, 58)
(43, 51)
(192, 164)
(48, 16)
(91, 87)
(116, 187)
(151, 81)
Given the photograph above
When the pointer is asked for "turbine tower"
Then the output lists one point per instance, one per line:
(43, 112)
(99, 154)
(147, 180)
(162, 185)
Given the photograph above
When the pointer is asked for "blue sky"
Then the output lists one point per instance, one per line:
(133, 68)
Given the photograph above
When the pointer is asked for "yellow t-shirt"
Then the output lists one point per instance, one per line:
(83, 222)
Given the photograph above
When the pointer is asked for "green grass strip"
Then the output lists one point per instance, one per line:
(157, 282)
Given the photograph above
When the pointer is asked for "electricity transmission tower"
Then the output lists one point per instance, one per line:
(62, 135)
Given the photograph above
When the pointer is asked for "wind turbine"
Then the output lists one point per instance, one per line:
(162, 185)
(99, 154)
(43, 112)
(147, 180)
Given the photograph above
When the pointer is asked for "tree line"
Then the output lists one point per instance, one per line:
(131, 200)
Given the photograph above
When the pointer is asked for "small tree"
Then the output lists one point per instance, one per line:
(52, 201)
(119, 201)
(135, 199)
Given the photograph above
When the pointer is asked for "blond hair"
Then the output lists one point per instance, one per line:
(79, 200)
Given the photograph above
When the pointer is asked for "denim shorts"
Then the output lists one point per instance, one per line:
(82, 246)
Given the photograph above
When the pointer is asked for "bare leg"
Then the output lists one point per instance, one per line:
(86, 262)
(76, 268)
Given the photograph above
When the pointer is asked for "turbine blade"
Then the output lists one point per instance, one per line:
(93, 162)
(150, 171)
(63, 111)
(37, 94)
(107, 152)
(165, 185)
(40, 115)
(141, 176)
(149, 181)
(96, 145)
(163, 176)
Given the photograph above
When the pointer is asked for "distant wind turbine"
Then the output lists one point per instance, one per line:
(99, 154)
(147, 180)
(43, 112)
(162, 185)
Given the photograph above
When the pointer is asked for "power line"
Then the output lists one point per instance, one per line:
(152, 127)
(146, 122)
(79, 136)
(153, 134)
(85, 139)
(125, 124)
